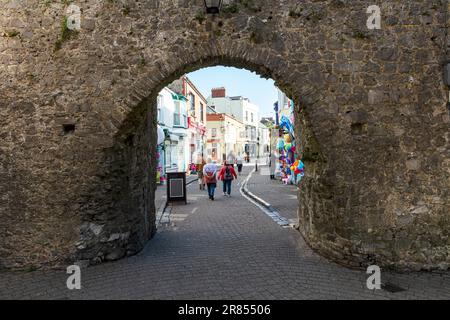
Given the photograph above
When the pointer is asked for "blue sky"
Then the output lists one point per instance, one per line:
(238, 82)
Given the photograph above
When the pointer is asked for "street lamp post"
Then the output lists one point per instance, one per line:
(257, 154)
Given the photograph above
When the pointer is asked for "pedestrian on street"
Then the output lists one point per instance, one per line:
(227, 175)
(272, 165)
(209, 174)
(200, 165)
(239, 162)
(231, 158)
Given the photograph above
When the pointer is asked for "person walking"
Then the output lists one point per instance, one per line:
(239, 162)
(209, 174)
(272, 165)
(231, 158)
(199, 166)
(227, 175)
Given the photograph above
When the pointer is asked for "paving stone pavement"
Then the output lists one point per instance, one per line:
(282, 197)
(226, 249)
(161, 196)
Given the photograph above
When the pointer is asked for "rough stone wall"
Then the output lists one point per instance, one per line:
(375, 127)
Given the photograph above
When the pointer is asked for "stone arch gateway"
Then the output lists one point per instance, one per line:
(78, 121)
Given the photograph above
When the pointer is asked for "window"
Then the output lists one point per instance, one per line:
(214, 132)
(246, 115)
(159, 115)
(177, 114)
(192, 102)
(159, 102)
(201, 113)
(251, 117)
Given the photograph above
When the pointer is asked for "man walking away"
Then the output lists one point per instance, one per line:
(227, 174)
(239, 162)
(209, 174)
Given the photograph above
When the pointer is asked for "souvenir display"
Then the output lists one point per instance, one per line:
(291, 167)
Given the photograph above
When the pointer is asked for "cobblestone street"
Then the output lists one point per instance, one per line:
(226, 249)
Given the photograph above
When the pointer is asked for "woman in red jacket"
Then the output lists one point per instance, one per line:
(227, 175)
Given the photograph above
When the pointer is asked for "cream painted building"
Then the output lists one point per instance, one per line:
(225, 134)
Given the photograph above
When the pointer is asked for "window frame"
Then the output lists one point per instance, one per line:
(192, 103)
(202, 114)
(176, 113)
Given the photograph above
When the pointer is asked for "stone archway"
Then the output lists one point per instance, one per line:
(78, 129)
(130, 159)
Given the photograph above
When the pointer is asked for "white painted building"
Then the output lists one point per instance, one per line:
(284, 105)
(172, 118)
(241, 109)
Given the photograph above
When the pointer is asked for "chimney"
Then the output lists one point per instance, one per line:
(218, 92)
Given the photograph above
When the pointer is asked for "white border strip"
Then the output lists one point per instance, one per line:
(272, 214)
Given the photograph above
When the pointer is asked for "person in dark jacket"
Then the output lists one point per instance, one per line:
(239, 163)
(227, 175)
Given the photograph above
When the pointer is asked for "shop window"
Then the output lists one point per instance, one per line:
(177, 114)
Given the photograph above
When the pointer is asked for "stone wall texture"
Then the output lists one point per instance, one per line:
(78, 127)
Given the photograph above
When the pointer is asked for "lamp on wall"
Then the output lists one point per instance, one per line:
(213, 6)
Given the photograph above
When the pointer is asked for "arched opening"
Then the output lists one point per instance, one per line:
(227, 114)
(139, 163)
